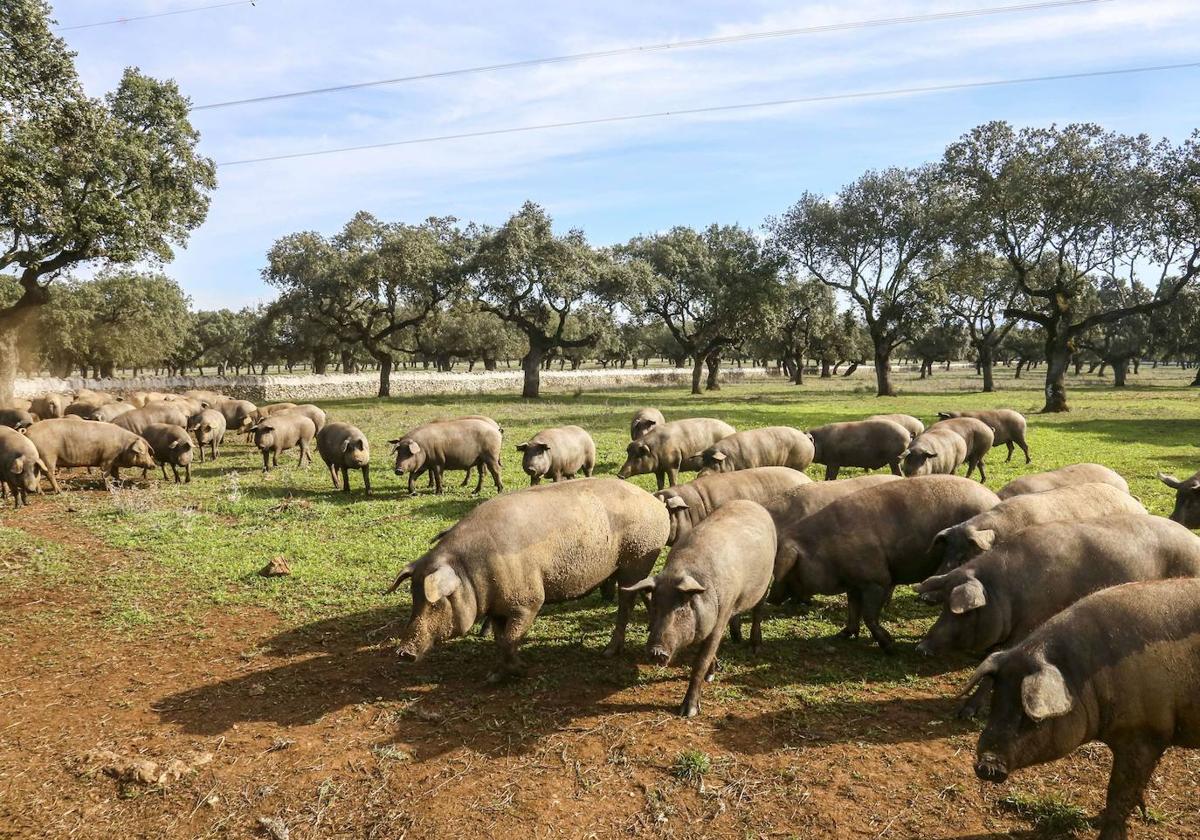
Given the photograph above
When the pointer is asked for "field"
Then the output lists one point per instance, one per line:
(134, 622)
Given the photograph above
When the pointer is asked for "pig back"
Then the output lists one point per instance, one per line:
(760, 484)
(869, 444)
(71, 443)
(457, 444)
(136, 421)
(806, 499)
(1063, 477)
(684, 440)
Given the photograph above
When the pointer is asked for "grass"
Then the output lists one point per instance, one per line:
(1053, 815)
(691, 766)
(197, 547)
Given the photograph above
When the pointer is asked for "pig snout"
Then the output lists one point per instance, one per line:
(990, 768)
(926, 648)
(407, 654)
(659, 655)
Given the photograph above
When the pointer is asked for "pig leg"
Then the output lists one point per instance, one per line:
(853, 615)
(333, 476)
(201, 448)
(756, 617)
(874, 597)
(51, 467)
(366, 481)
(831, 471)
(1009, 444)
(608, 589)
(662, 481)
(479, 484)
(266, 460)
(673, 475)
(508, 638)
(187, 473)
(982, 472)
(467, 477)
(493, 465)
(1133, 765)
(345, 482)
(437, 480)
(895, 465)
(978, 701)
(412, 491)
(735, 629)
(1024, 448)
(704, 665)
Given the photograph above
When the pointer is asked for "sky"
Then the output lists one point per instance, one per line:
(616, 180)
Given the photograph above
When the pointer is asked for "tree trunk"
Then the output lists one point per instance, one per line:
(883, 370)
(825, 372)
(385, 374)
(714, 371)
(1196, 379)
(1058, 359)
(532, 365)
(10, 353)
(347, 362)
(1120, 368)
(849, 370)
(697, 373)
(986, 366)
(489, 364)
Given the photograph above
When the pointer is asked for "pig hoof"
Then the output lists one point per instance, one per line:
(689, 709)
(848, 633)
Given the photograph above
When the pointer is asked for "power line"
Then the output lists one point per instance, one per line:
(652, 48)
(742, 106)
(154, 15)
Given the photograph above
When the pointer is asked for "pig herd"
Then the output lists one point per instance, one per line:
(1086, 607)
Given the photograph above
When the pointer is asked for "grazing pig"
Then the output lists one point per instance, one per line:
(467, 473)
(282, 431)
(63, 442)
(209, 428)
(1077, 503)
(1119, 667)
(721, 569)
(343, 447)
(316, 415)
(265, 411)
(869, 444)
(868, 542)
(49, 406)
(915, 427)
(671, 447)
(207, 399)
(16, 418)
(645, 420)
(998, 599)
(690, 504)
(80, 408)
(1187, 499)
(20, 404)
(770, 446)
(558, 453)
(171, 445)
(1007, 425)
(1062, 477)
(110, 411)
(239, 414)
(19, 465)
(935, 452)
(451, 444)
(173, 414)
(95, 397)
(541, 545)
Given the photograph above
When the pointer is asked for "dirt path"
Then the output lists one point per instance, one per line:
(316, 727)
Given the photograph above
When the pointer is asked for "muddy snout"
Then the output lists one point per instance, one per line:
(990, 768)
(660, 656)
(407, 655)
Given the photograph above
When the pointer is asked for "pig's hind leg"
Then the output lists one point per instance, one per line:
(1133, 766)
(703, 668)
(508, 637)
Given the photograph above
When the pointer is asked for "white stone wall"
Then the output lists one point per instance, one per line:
(340, 386)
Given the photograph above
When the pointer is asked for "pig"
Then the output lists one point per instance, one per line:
(1187, 499)
(1062, 477)
(282, 431)
(770, 446)
(671, 447)
(49, 406)
(996, 600)
(866, 543)
(208, 426)
(450, 444)
(20, 404)
(512, 554)
(936, 451)
(645, 420)
(19, 465)
(63, 442)
(110, 411)
(155, 412)
(869, 444)
(316, 415)
(719, 570)
(690, 504)
(239, 414)
(171, 445)
(140, 399)
(558, 453)
(467, 474)
(1119, 667)
(265, 411)
(343, 447)
(914, 426)
(16, 418)
(96, 397)
(206, 399)
(1077, 503)
(80, 408)
(1007, 425)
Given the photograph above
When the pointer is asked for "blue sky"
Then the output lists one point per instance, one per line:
(613, 181)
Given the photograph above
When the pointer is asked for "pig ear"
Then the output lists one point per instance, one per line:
(718, 456)
(441, 583)
(641, 586)
(930, 590)
(17, 466)
(521, 447)
(1044, 694)
(983, 540)
(643, 449)
(689, 585)
(394, 441)
(675, 503)
(986, 669)
(967, 596)
(404, 575)
(414, 447)
(943, 415)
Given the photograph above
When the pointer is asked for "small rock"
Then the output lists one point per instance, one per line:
(274, 827)
(257, 690)
(278, 567)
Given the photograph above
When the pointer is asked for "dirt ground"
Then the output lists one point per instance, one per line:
(315, 730)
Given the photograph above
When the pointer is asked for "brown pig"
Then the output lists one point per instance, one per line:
(721, 569)
(19, 465)
(770, 446)
(16, 418)
(171, 445)
(690, 504)
(49, 406)
(451, 444)
(1187, 499)
(312, 412)
(869, 444)
(283, 431)
(1007, 426)
(644, 420)
(1062, 477)
(558, 453)
(914, 426)
(343, 447)
(70, 443)
(110, 411)
(667, 449)
(136, 421)
(208, 426)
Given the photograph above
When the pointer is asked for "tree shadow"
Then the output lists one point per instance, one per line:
(1172, 432)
